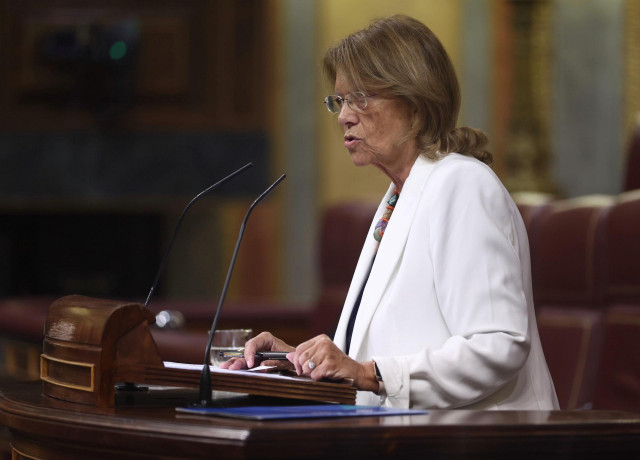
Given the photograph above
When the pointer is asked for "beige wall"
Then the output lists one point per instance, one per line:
(339, 180)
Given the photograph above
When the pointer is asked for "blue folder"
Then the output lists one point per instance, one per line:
(293, 412)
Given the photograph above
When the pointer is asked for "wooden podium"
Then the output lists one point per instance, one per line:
(92, 344)
(146, 425)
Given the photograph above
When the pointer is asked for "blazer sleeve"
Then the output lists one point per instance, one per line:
(478, 279)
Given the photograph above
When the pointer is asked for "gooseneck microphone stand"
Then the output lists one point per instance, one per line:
(205, 377)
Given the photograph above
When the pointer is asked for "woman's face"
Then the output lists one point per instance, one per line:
(378, 134)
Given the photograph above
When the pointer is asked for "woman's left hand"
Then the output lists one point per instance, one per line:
(320, 358)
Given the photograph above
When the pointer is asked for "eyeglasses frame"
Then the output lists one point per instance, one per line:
(352, 106)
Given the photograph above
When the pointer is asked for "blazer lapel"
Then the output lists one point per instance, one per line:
(390, 250)
(362, 269)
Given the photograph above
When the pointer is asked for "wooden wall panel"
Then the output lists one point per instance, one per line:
(188, 64)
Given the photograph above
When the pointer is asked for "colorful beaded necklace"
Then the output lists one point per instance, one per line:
(381, 226)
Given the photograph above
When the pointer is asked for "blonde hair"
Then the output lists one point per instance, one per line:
(401, 57)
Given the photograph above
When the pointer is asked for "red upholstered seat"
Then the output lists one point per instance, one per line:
(567, 253)
(531, 207)
(181, 346)
(571, 339)
(618, 382)
(622, 234)
(567, 265)
(343, 231)
(632, 173)
(24, 318)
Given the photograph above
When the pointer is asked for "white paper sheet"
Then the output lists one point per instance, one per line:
(214, 370)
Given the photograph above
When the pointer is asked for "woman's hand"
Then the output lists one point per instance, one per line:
(265, 341)
(320, 358)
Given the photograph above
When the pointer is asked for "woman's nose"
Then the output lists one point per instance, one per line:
(347, 115)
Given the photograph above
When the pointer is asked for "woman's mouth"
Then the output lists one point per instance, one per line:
(350, 141)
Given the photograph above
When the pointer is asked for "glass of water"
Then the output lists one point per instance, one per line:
(228, 340)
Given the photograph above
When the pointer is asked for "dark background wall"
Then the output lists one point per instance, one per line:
(112, 116)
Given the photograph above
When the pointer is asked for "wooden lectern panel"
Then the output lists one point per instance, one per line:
(87, 340)
(91, 344)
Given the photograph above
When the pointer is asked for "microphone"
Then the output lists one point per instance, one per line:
(191, 203)
(205, 377)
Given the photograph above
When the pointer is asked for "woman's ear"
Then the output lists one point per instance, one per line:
(415, 122)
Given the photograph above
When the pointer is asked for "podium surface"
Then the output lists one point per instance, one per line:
(146, 425)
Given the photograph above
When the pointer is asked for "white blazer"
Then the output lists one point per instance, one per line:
(447, 312)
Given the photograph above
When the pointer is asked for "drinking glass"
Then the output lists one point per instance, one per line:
(228, 340)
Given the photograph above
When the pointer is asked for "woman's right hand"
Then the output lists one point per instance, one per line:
(265, 341)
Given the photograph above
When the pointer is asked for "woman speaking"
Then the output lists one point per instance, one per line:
(440, 310)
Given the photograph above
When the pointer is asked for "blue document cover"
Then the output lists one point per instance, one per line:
(292, 412)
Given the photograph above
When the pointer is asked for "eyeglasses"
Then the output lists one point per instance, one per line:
(357, 101)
